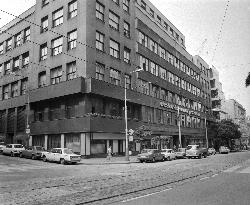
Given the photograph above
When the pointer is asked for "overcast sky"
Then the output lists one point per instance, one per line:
(199, 21)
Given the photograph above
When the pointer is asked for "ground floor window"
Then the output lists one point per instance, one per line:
(54, 141)
(98, 146)
(72, 141)
(38, 140)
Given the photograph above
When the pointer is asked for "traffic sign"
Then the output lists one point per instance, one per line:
(131, 132)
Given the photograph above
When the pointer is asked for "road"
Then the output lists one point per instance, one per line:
(25, 181)
(230, 187)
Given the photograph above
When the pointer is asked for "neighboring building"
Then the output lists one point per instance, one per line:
(72, 69)
(217, 95)
(237, 113)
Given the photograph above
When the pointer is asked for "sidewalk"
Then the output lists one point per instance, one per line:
(113, 160)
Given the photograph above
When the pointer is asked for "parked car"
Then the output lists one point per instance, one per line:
(180, 153)
(211, 151)
(13, 149)
(150, 155)
(169, 154)
(195, 151)
(62, 155)
(2, 145)
(33, 152)
(224, 149)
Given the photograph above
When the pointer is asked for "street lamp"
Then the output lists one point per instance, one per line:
(126, 115)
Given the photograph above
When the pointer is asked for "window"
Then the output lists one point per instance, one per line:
(126, 27)
(99, 11)
(72, 36)
(115, 77)
(57, 46)
(126, 55)
(143, 39)
(14, 89)
(163, 53)
(99, 41)
(72, 9)
(163, 73)
(113, 21)
(154, 69)
(45, 2)
(7, 68)
(56, 75)
(144, 63)
(18, 38)
(165, 26)
(26, 35)
(6, 92)
(42, 79)
(43, 52)
(71, 70)
(114, 49)
(171, 31)
(125, 5)
(24, 83)
(143, 4)
(151, 12)
(155, 91)
(128, 81)
(153, 46)
(25, 59)
(158, 19)
(143, 87)
(57, 17)
(1, 48)
(16, 63)
(99, 71)
(44, 24)
(8, 44)
(1, 68)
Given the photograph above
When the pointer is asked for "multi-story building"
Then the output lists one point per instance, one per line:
(237, 113)
(217, 96)
(66, 64)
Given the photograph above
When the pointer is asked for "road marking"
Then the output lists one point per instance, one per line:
(204, 178)
(127, 200)
(214, 175)
(233, 168)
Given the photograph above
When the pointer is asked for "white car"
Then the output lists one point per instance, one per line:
(62, 155)
(169, 154)
(2, 145)
(13, 149)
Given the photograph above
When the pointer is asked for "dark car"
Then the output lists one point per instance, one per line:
(33, 152)
(150, 155)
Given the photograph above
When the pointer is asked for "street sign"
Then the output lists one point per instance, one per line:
(130, 138)
(131, 132)
(28, 131)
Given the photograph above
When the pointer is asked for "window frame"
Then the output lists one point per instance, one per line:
(57, 78)
(113, 51)
(44, 24)
(72, 42)
(72, 13)
(113, 79)
(100, 14)
(43, 50)
(56, 50)
(57, 20)
(99, 71)
(114, 20)
(99, 41)
(71, 70)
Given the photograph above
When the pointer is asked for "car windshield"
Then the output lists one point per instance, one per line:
(166, 150)
(146, 151)
(68, 151)
(40, 148)
(18, 146)
(191, 147)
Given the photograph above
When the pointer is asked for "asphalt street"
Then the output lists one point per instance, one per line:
(26, 181)
(230, 187)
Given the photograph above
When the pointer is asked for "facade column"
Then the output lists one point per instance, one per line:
(83, 144)
(30, 141)
(87, 143)
(123, 145)
(45, 142)
(62, 140)
(107, 146)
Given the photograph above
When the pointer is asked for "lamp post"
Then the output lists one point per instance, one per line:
(126, 116)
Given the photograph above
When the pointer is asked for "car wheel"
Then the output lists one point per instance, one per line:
(33, 157)
(62, 161)
(12, 154)
(153, 160)
(200, 156)
(141, 161)
(168, 158)
(20, 155)
(163, 159)
(44, 159)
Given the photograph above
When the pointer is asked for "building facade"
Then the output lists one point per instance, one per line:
(65, 66)
(217, 96)
(237, 113)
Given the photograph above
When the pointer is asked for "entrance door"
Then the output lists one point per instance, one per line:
(120, 146)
